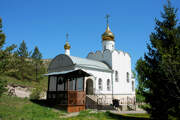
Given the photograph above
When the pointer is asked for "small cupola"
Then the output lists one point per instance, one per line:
(108, 35)
(108, 38)
(67, 46)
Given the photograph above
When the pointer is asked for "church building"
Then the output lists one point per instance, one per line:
(99, 78)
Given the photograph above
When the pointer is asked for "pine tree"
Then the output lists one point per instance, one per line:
(37, 63)
(23, 51)
(159, 71)
(5, 58)
(24, 66)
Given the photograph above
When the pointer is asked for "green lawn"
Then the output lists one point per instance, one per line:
(14, 108)
(87, 115)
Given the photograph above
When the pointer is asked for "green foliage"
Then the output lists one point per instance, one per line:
(23, 51)
(158, 72)
(36, 93)
(23, 66)
(36, 54)
(28, 68)
(139, 97)
(43, 83)
(5, 59)
(6, 53)
(38, 66)
(3, 84)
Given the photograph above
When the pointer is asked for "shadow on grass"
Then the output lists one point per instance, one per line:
(49, 104)
(125, 117)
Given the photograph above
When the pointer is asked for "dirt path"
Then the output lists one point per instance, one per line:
(70, 115)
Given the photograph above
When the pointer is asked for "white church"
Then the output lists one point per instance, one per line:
(100, 77)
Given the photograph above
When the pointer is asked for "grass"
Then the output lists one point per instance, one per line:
(14, 108)
(11, 80)
(87, 115)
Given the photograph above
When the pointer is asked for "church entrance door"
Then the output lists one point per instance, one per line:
(89, 87)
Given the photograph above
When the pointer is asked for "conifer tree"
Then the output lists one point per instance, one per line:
(159, 71)
(5, 58)
(24, 67)
(23, 51)
(37, 63)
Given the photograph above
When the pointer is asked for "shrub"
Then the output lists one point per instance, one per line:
(3, 84)
(36, 93)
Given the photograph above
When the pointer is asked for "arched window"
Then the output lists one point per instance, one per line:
(132, 85)
(116, 76)
(108, 85)
(100, 84)
(127, 76)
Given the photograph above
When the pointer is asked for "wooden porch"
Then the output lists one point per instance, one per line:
(67, 90)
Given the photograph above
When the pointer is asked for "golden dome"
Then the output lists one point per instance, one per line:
(67, 46)
(108, 35)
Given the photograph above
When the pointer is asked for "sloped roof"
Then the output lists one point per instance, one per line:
(84, 62)
(64, 62)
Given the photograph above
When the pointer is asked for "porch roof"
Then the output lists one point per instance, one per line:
(71, 73)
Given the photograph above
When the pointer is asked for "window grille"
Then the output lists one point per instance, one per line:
(108, 84)
(116, 76)
(127, 77)
(100, 84)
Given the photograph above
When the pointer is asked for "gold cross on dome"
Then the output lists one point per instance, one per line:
(107, 18)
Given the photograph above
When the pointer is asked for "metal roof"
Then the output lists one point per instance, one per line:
(64, 62)
(84, 62)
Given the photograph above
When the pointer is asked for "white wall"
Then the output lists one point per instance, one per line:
(96, 75)
(117, 61)
(121, 62)
(108, 44)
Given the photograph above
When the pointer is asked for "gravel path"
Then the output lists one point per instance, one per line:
(127, 112)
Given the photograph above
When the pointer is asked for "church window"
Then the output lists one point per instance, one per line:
(60, 84)
(116, 76)
(127, 76)
(100, 84)
(132, 85)
(108, 84)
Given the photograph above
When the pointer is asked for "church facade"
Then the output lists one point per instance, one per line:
(108, 73)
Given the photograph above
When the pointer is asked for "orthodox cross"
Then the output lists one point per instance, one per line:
(67, 35)
(107, 18)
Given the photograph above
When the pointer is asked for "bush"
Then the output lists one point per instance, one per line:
(3, 84)
(36, 93)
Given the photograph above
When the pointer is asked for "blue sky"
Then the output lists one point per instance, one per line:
(44, 23)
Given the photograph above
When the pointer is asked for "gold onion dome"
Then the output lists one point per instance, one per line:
(108, 35)
(67, 46)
